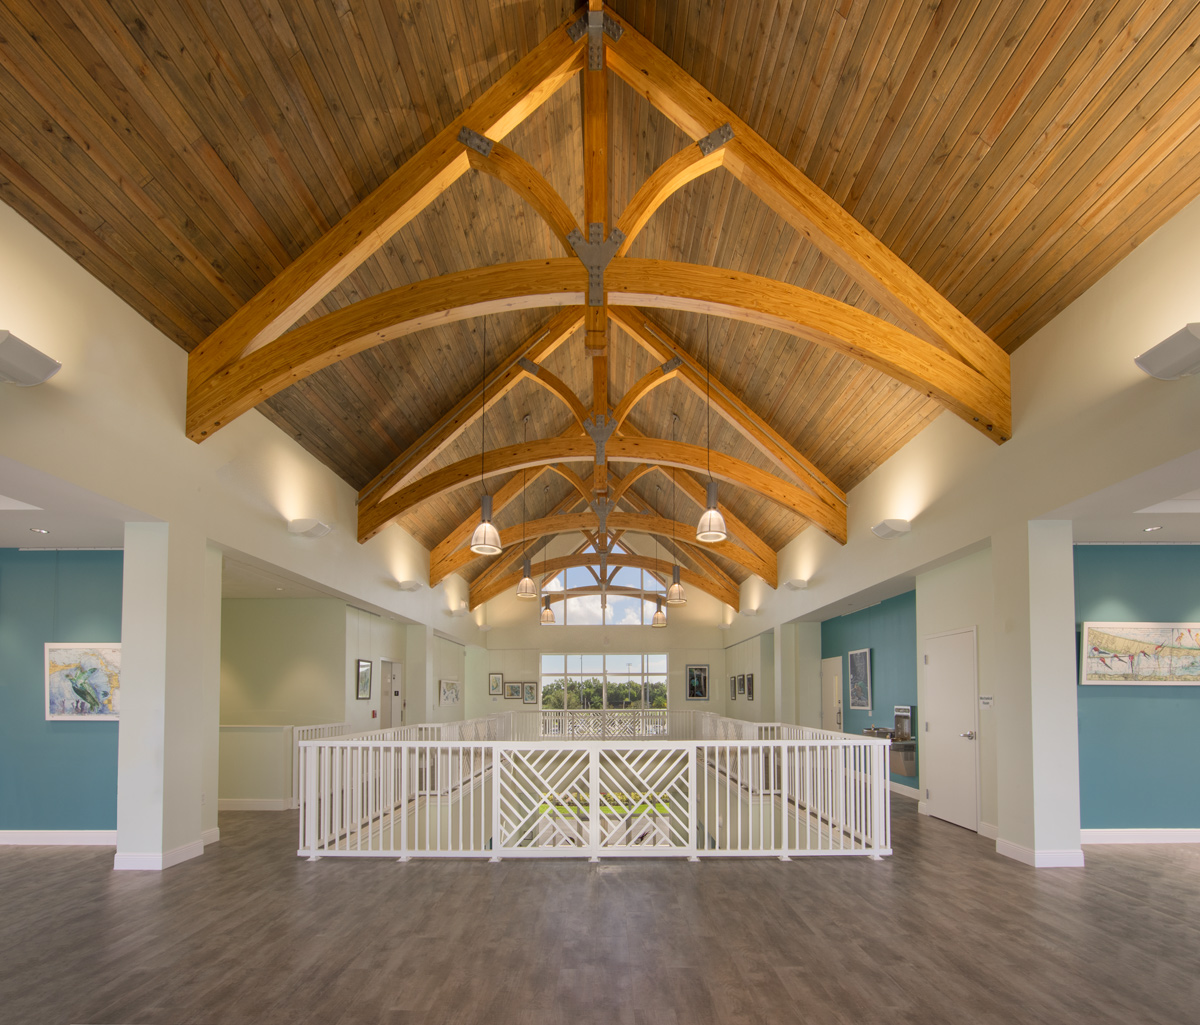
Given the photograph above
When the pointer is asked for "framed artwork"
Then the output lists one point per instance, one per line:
(749, 686)
(363, 675)
(860, 679)
(495, 683)
(1140, 654)
(741, 683)
(733, 688)
(529, 693)
(697, 683)
(83, 681)
(512, 690)
(448, 690)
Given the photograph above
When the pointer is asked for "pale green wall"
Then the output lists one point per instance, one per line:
(283, 661)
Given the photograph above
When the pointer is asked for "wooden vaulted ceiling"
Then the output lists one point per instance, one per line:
(195, 156)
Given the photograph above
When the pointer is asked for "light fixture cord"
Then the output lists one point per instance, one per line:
(525, 440)
(708, 392)
(483, 412)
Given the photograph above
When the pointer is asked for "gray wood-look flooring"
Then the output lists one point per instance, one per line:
(943, 931)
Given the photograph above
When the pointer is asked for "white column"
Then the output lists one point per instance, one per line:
(1037, 738)
(784, 710)
(213, 566)
(160, 756)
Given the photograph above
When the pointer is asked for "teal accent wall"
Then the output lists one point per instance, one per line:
(1139, 747)
(889, 629)
(54, 775)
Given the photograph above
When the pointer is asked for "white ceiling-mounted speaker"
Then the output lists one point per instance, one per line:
(1175, 357)
(888, 529)
(308, 528)
(22, 364)
(796, 584)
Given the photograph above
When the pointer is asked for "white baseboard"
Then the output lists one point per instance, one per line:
(210, 836)
(922, 808)
(1139, 836)
(59, 837)
(254, 804)
(157, 862)
(1040, 859)
(988, 830)
(900, 788)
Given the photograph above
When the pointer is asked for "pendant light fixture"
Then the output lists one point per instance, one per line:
(660, 618)
(526, 589)
(675, 595)
(711, 527)
(486, 538)
(547, 612)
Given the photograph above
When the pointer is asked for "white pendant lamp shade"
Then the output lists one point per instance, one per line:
(526, 589)
(486, 539)
(547, 612)
(660, 617)
(675, 595)
(711, 527)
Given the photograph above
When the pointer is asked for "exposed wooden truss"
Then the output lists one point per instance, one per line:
(937, 351)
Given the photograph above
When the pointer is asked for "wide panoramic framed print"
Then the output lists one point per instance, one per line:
(1140, 654)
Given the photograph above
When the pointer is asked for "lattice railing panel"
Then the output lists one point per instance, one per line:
(543, 799)
(644, 798)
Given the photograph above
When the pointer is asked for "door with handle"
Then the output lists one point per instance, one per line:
(946, 743)
(831, 693)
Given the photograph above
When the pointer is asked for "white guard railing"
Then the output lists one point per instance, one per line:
(299, 733)
(710, 796)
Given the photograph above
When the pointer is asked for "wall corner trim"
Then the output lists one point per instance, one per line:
(58, 837)
(903, 791)
(210, 836)
(988, 830)
(157, 862)
(1040, 859)
(1101, 836)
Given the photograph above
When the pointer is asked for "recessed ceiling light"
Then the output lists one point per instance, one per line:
(39, 530)
(1148, 529)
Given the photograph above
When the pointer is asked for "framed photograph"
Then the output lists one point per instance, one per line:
(83, 681)
(749, 686)
(496, 683)
(448, 691)
(1140, 654)
(363, 675)
(860, 679)
(697, 683)
(741, 683)
(733, 688)
(512, 690)
(529, 693)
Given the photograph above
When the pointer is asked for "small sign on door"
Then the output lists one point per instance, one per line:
(985, 701)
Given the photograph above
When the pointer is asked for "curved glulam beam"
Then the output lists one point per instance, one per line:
(637, 523)
(557, 387)
(636, 450)
(405, 193)
(983, 403)
(783, 187)
(574, 480)
(479, 595)
(227, 394)
(525, 180)
(639, 390)
(685, 166)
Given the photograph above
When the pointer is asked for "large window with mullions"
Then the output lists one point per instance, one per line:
(604, 681)
(622, 596)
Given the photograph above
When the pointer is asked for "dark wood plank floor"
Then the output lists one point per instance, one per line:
(943, 931)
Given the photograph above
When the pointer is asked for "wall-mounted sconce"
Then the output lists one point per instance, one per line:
(724, 626)
(308, 528)
(409, 585)
(22, 364)
(1174, 357)
(796, 584)
(459, 612)
(888, 529)
(749, 612)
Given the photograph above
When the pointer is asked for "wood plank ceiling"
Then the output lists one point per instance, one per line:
(1010, 153)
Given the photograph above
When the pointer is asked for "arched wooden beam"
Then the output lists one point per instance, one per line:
(214, 401)
(627, 481)
(463, 413)
(480, 595)
(557, 387)
(419, 181)
(642, 388)
(574, 480)
(638, 523)
(685, 166)
(523, 178)
(983, 403)
(783, 187)
(636, 450)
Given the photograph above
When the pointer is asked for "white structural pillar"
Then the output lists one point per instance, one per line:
(161, 751)
(211, 716)
(1036, 714)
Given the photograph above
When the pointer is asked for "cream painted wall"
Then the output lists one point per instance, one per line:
(754, 655)
(283, 661)
(959, 596)
(371, 637)
(806, 683)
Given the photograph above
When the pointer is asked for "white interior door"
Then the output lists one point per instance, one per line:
(831, 693)
(396, 693)
(385, 694)
(947, 744)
